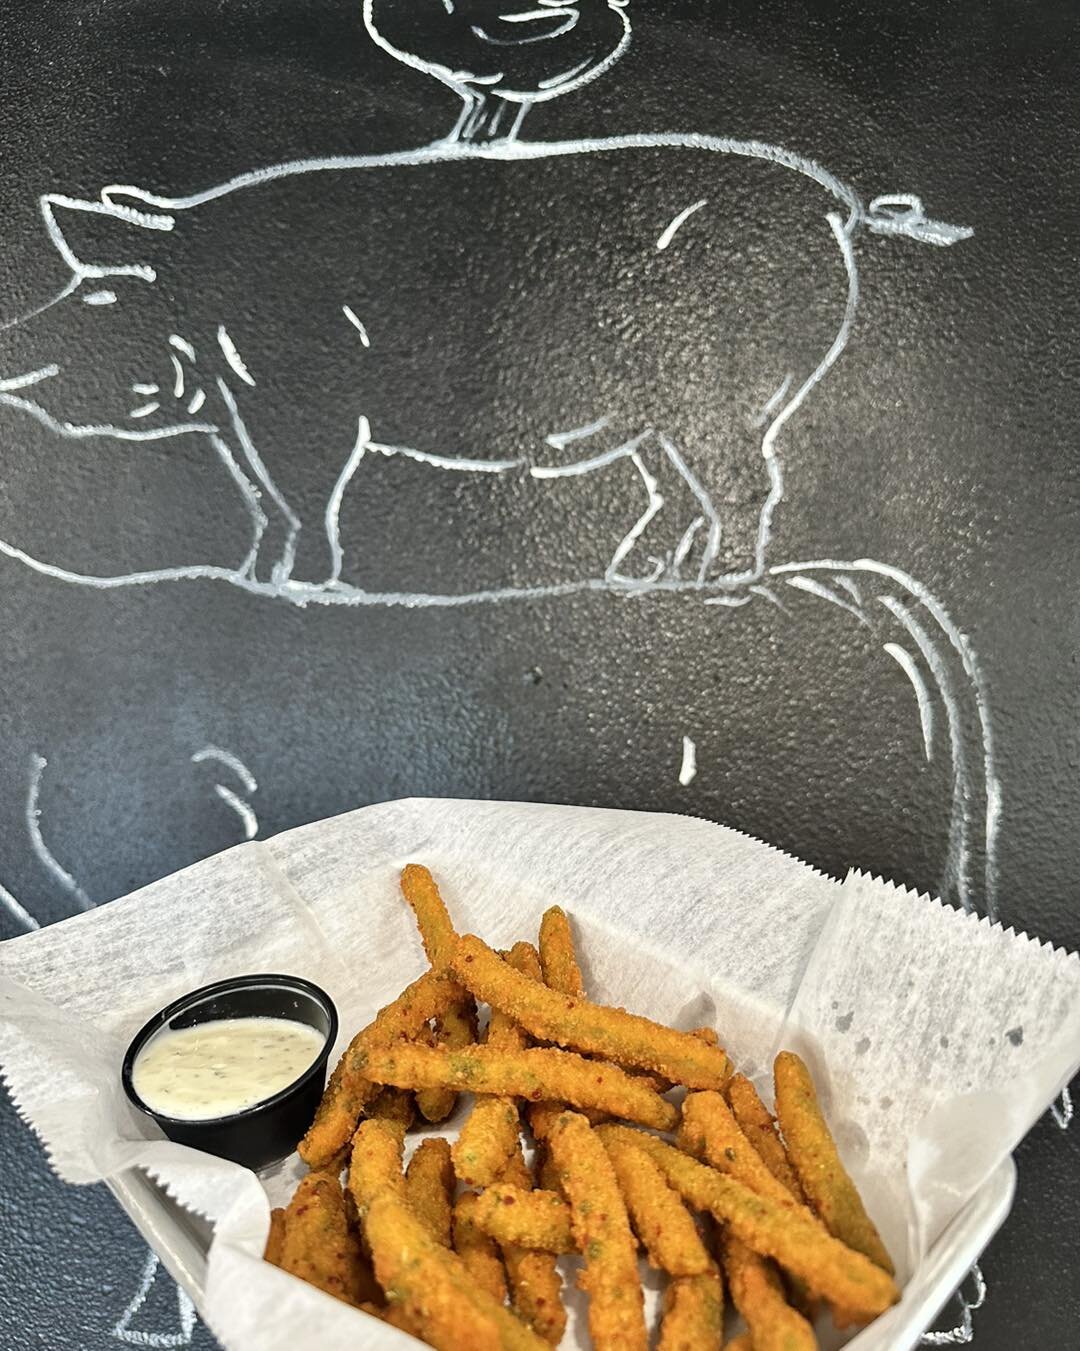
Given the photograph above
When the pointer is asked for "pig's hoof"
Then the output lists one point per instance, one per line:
(662, 556)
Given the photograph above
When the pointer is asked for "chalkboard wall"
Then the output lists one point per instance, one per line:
(678, 414)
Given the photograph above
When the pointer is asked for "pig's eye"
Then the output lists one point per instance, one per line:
(100, 298)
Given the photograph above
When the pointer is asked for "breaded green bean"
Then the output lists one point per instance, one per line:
(758, 1295)
(375, 1163)
(710, 1132)
(396, 1316)
(275, 1237)
(536, 1290)
(743, 1342)
(524, 957)
(477, 1250)
(456, 1025)
(602, 1234)
(621, 1037)
(815, 1159)
(489, 1134)
(516, 1173)
(547, 1174)
(558, 960)
(396, 1107)
(542, 1117)
(657, 1212)
(693, 1313)
(538, 1074)
(429, 1186)
(349, 1092)
(453, 1029)
(433, 1287)
(786, 1233)
(757, 1124)
(432, 917)
(318, 1245)
(535, 1283)
(531, 1219)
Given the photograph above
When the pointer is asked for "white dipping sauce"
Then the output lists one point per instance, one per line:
(217, 1068)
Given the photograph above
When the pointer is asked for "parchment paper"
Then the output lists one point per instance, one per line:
(937, 1039)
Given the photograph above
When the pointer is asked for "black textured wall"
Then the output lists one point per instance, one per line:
(488, 634)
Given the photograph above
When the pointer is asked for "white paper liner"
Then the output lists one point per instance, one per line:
(936, 1038)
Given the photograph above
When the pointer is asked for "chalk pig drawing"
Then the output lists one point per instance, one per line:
(554, 320)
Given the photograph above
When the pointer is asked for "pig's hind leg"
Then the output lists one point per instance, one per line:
(675, 536)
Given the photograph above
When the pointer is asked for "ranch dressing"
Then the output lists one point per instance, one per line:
(217, 1068)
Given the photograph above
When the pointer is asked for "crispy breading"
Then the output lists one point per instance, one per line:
(693, 1313)
(375, 1162)
(489, 1135)
(488, 1138)
(623, 1038)
(602, 1234)
(396, 1107)
(434, 1288)
(786, 1233)
(429, 1186)
(320, 1247)
(477, 1250)
(432, 917)
(710, 1132)
(558, 960)
(456, 1025)
(538, 1074)
(757, 1124)
(349, 1091)
(531, 1219)
(758, 1295)
(657, 1212)
(275, 1237)
(815, 1159)
(535, 1283)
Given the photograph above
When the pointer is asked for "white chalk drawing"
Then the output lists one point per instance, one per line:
(688, 768)
(123, 1331)
(243, 808)
(38, 764)
(500, 62)
(1062, 1110)
(17, 911)
(68, 885)
(964, 1331)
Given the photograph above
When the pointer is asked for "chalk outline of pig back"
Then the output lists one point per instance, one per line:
(892, 215)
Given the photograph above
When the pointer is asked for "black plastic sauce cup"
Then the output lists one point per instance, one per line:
(270, 1130)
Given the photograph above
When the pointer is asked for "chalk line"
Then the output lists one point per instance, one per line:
(906, 662)
(232, 356)
(688, 769)
(669, 232)
(351, 316)
(231, 761)
(37, 843)
(17, 911)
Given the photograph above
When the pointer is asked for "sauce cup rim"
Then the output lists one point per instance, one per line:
(158, 1021)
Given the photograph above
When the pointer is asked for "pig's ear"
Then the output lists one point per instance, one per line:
(109, 238)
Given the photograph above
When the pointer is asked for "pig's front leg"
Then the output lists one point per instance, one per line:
(276, 525)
